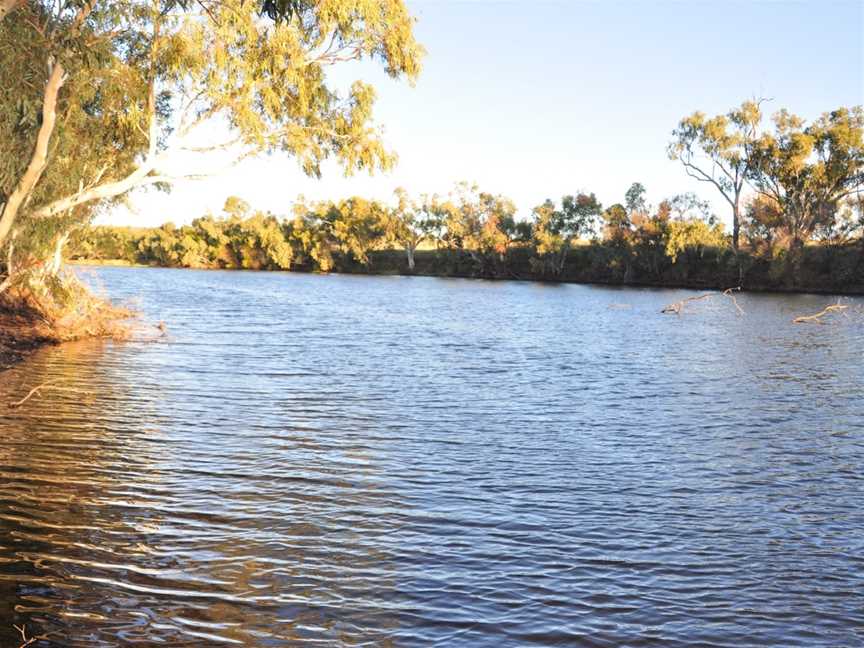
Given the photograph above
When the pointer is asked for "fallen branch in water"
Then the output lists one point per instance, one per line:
(29, 641)
(728, 293)
(678, 307)
(817, 317)
(37, 391)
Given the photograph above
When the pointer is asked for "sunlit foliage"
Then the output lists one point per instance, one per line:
(556, 229)
(96, 98)
(811, 171)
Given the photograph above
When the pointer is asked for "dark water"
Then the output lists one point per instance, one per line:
(353, 461)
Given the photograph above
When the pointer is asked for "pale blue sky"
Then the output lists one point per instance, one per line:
(536, 99)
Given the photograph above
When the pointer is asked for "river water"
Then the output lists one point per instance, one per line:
(386, 461)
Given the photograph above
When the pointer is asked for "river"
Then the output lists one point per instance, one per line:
(392, 461)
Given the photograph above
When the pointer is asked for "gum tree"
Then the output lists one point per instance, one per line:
(411, 223)
(98, 99)
(555, 230)
(717, 150)
(809, 172)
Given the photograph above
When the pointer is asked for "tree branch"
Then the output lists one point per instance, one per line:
(698, 174)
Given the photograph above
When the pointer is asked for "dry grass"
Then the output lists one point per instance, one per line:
(64, 312)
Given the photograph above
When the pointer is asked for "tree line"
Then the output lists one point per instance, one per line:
(469, 232)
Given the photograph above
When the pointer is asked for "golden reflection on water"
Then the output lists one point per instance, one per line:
(111, 530)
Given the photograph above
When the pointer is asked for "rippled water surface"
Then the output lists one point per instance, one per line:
(333, 460)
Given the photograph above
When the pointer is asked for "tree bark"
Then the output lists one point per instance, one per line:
(40, 153)
(736, 226)
(410, 252)
(53, 265)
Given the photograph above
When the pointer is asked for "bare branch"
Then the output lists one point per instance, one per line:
(678, 307)
(817, 317)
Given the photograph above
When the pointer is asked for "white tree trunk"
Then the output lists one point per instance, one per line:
(40, 153)
(410, 252)
(52, 267)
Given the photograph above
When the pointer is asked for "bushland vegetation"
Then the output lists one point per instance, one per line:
(471, 233)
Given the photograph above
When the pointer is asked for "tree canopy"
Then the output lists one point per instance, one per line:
(810, 172)
(96, 97)
(716, 150)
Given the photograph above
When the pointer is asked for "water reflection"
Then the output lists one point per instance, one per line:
(385, 461)
(128, 518)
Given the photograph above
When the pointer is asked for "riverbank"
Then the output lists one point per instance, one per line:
(818, 269)
(21, 334)
(25, 328)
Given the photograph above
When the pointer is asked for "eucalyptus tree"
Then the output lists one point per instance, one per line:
(688, 204)
(692, 234)
(310, 234)
(258, 243)
(717, 150)
(477, 223)
(634, 199)
(810, 171)
(360, 226)
(555, 230)
(497, 224)
(410, 223)
(98, 98)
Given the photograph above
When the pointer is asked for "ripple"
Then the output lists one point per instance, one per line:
(390, 462)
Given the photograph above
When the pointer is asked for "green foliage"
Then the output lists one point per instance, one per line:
(258, 243)
(634, 198)
(809, 171)
(476, 234)
(692, 234)
(555, 230)
(138, 78)
(717, 150)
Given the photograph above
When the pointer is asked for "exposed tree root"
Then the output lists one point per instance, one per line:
(678, 307)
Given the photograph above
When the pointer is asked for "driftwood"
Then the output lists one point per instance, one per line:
(29, 641)
(678, 307)
(37, 391)
(817, 317)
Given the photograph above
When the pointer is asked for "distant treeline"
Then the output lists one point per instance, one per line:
(471, 233)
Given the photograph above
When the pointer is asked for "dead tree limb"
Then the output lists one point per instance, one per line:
(678, 307)
(728, 293)
(29, 641)
(37, 391)
(817, 317)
